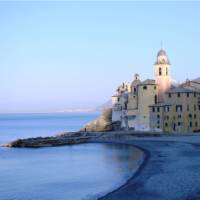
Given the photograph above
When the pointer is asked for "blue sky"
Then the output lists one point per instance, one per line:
(62, 55)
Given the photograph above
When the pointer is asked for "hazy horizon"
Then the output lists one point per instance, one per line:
(60, 55)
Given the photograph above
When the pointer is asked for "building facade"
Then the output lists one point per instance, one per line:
(158, 105)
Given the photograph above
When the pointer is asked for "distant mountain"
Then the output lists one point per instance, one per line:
(104, 106)
(77, 110)
(175, 83)
(197, 80)
(100, 108)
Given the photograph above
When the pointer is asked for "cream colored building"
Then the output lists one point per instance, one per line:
(157, 105)
(131, 107)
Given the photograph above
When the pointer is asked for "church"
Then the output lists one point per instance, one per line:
(158, 105)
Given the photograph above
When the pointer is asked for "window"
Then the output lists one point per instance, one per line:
(195, 94)
(144, 87)
(167, 109)
(154, 87)
(178, 95)
(190, 115)
(196, 124)
(199, 107)
(167, 117)
(188, 94)
(158, 126)
(166, 71)
(178, 108)
(155, 99)
(195, 107)
(179, 116)
(190, 124)
(195, 116)
(118, 99)
(169, 95)
(166, 124)
(134, 89)
(158, 122)
(188, 107)
(160, 71)
(158, 116)
(158, 109)
(125, 106)
(153, 109)
(179, 123)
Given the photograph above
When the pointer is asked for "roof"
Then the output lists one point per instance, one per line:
(116, 95)
(135, 83)
(148, 82)
(162, 58)
(180, 90)
(197, 80)
(162, 52)
(160, 105)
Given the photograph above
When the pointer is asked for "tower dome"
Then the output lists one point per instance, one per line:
(162, 58)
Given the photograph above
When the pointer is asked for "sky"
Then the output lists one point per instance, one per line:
(60, 55)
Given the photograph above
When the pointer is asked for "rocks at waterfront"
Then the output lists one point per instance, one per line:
(103, 123)
(63, 139)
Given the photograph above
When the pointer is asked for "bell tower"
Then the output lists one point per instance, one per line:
(162, 74)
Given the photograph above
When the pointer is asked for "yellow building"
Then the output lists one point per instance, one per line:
(180, 113)
(157, 105)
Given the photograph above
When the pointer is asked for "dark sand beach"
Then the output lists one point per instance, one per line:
(170, 171)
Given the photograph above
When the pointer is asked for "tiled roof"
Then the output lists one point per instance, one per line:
(180, 90)
(148, 82)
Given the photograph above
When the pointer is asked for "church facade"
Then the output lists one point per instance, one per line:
(158, 105)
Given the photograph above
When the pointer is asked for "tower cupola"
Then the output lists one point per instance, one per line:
(162, 58)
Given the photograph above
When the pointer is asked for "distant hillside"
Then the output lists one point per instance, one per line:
(104, 106)
(100, 108)
(197, 80)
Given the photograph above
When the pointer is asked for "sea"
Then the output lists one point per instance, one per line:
(74, 172)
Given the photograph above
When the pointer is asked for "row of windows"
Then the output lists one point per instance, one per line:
(154, 109)
(179, 117)
(145, 87)
(160, 71)
(179, 124)
(179, 94)
(179, 108)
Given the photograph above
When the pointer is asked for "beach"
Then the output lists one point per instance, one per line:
(170, 170)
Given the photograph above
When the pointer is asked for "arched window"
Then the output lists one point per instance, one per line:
(160, 71)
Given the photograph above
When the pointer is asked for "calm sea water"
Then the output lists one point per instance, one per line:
(76, 172)
(13, 126)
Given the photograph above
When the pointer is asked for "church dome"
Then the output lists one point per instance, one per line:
(162, 53)
(162, 58)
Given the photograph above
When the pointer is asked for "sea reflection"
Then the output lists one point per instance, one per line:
(127, 157)
(83, 171)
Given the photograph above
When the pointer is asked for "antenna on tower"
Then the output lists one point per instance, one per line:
(161, 44)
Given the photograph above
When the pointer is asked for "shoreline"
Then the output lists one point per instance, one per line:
(154, 180)
(146, 156)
